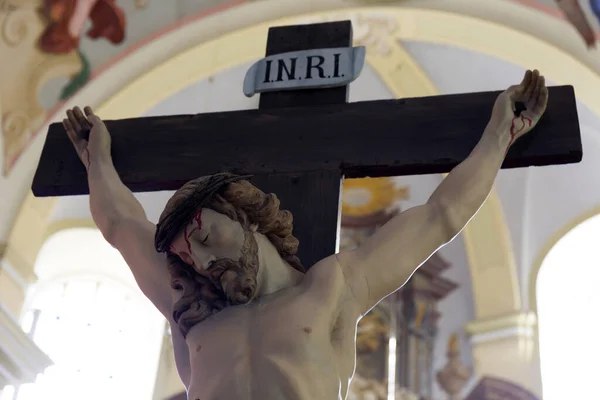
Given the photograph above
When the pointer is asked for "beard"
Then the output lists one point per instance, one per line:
(227, 283)
(237, 280)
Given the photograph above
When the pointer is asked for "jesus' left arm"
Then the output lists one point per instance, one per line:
(388, 258)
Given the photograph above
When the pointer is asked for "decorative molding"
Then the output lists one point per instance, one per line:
(491, 258)
(22, 79)
(16, 275)
(68, 223)
(25, 359)
(522, 324)
(507, 347)
(371, 28)
(16, 266)
(450, 23)
(15, 26)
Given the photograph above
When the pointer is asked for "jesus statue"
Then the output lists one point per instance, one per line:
(248, 319)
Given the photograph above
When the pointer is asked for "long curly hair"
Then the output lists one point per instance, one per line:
(242, 202)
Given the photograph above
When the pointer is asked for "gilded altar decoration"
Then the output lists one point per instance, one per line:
(369, 196)
(454, 376)
(409, 317)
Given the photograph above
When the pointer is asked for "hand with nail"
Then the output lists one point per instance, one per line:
(507, 119)
(88, 135)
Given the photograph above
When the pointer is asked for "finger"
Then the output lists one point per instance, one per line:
(93, 118)
(542, 100)
(88, 111)
(70, 131)
(538, 87)
(75, 139)
(73, 120)
(526, 79)
(536, 94)
(83, 122)
(527, 95)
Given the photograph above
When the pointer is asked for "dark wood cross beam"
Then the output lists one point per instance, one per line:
(300, 144)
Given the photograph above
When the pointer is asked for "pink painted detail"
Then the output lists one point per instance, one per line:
(51, 114)
(83, 9)
(545, 8)
(162, 32)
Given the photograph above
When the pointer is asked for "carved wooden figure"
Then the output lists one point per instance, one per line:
(255, 313)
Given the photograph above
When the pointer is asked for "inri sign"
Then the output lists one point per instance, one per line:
(309, 69)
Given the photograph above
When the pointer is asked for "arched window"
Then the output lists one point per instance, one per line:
(568, 302)
(103, 335)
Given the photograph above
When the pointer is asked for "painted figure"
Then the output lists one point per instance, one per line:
(68, 19)
(248, 320)
(575, 15)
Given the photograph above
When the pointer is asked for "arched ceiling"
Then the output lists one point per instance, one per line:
(440, 38)
(536, 201)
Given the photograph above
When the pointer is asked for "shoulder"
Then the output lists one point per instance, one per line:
(325, 276)
(327, 283)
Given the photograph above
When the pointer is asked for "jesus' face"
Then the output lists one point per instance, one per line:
(221, 250)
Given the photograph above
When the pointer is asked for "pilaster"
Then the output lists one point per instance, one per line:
(506, 347)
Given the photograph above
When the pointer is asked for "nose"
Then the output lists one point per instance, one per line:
(202, 258)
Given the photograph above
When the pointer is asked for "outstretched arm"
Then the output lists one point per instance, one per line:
(388, 259)
(116, 211)
(122, 221)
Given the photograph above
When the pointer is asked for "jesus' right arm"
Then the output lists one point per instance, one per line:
(123, 222)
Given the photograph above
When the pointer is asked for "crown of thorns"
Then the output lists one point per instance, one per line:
(206, 187)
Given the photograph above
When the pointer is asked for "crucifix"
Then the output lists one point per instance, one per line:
(300, 144)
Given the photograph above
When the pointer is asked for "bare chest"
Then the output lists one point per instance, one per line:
(290, 347)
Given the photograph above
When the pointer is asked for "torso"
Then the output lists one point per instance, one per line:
(297, 344)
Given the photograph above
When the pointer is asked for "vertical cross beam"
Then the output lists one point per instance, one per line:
(312, 197)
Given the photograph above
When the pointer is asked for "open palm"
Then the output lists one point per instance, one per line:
(530, 93)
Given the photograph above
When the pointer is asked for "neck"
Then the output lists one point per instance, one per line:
(274, 274)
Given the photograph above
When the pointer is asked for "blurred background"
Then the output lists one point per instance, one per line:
(499, 313)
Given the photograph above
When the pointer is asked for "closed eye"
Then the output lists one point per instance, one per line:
(205, 239)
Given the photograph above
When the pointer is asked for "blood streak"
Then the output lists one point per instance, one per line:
(513, 128)
(187, 235)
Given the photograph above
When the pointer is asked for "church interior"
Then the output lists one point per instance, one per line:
(488, 316)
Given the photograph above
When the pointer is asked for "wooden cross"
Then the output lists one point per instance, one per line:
(301, 144)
